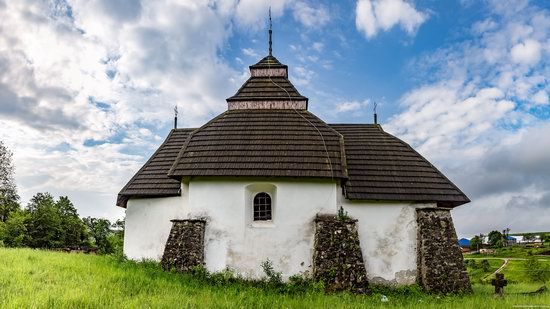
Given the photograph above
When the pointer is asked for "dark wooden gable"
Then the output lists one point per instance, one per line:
(152, 179)
(383, 167)
(266, 143)
(268, 88)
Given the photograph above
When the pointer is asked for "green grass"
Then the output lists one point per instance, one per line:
(518, 252)
(515, 272)
(40, 279)
(477, 275)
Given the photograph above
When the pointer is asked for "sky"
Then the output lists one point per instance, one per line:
(88, 87)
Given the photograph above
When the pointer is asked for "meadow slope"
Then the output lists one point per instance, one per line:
(41, 279)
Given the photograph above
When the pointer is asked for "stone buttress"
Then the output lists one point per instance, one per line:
(441, 266)
(185, 246)
(337, 257)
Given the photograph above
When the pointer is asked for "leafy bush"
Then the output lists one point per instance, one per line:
(537, 271)
(342, 214)
(272, 277)
(485, 265)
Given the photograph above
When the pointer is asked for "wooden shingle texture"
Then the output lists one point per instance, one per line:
(152, 179)
(382, 167)
(267, 88)
(263, 143)
(268, 62)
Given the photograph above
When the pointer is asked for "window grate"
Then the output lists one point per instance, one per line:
(262, 207)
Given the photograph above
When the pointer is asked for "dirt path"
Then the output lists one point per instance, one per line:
(506, 260)
(501, 267)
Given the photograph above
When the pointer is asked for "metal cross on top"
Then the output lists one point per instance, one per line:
(499, 282)
(176, 117)
(270, 34)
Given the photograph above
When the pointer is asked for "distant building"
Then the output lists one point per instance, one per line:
(464, 243)
(511, 240)
(486, 251)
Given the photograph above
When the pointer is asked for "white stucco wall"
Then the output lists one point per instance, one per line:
(148, 225)
(233, 240)
(387, 232)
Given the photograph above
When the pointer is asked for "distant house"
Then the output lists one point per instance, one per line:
(464, 243)
(486, 251)
(511, 240)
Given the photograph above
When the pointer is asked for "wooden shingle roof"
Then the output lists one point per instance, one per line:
(152, 179)
(267, 88)
(272, 143)
(372, 164)
(268, 62)
(382, 167)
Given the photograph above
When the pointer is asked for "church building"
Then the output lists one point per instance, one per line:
(269, 180)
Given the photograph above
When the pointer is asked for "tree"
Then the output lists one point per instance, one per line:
(117, 238)
(15, 230)
(505, 235)
(475, 243)
(485, 265)
(100, 230)
(495, 239)
(45, 228)
(74, 232)
(529, 237)
(537, 271)
(9, 199)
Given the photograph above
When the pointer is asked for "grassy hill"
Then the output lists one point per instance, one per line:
(40, 279)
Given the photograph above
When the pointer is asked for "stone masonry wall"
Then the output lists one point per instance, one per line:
(337, 258)
(185, 245)
(440, 263)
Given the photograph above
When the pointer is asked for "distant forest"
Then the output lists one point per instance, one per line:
(48, 223)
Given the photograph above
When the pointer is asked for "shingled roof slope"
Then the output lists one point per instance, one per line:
(281, 143)
(152, 179)
(268, 62)
(382, 167)
(266, 88)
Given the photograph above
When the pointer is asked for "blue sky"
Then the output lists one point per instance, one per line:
(87, 88)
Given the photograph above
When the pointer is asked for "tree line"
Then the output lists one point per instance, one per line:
(496, 239)
(48, 223)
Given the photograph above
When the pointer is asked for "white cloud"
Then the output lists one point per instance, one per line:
(541, 97)
(318, 46)
(254, 13)
(373, 16)
(302, 76)
(309, 16)
(475, 121)
(527, 52)
(351, 106)
(250, 52)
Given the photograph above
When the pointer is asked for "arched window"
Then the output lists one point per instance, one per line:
(262, 207)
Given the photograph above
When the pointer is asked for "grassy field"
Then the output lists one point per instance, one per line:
(519, 252)
(39, 279)
(477, 275)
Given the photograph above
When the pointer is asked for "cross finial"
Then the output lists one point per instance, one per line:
(270, 33)
(375, 115)
(176, 117)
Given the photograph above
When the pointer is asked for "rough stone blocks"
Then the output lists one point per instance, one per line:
(440, 263)
(337, 257)
(185, 246)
